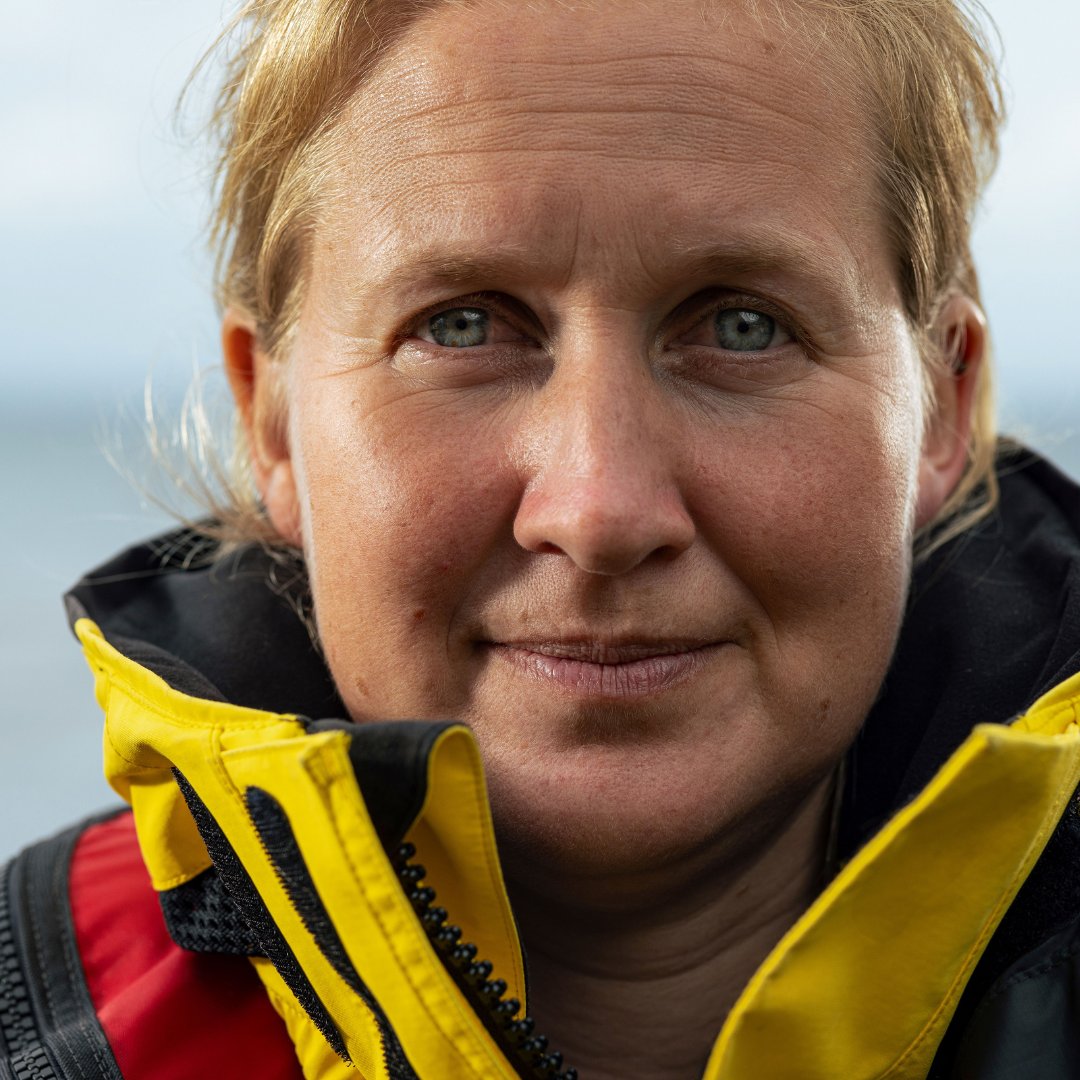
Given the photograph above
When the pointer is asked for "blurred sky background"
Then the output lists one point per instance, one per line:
(104, 282)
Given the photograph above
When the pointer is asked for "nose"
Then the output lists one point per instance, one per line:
(604, 486)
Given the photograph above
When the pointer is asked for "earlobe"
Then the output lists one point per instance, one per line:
(282, 503)
(961, 338)
(255, 382)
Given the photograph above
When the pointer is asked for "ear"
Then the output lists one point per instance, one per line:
(961, 339)
(256, 382)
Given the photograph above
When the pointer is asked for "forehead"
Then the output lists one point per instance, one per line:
(603, 128)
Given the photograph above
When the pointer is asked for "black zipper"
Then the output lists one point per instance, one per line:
(17, 1027)
(19, 1034)
(515, 1036)
(49, 1028)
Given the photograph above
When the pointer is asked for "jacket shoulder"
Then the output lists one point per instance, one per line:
(92, 987)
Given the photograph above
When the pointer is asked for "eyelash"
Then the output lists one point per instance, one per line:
(721, 301)
(484, 301)
(726, 301)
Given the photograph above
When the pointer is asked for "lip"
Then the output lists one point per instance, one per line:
(604, 670)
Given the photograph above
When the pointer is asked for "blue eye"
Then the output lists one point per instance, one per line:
(743, 331)
(460, 328)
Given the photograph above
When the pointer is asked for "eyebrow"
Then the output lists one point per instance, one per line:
(767, 250)
(779, 254)
(760, 251)
(447, 268)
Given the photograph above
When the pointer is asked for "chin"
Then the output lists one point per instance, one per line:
(619, 807)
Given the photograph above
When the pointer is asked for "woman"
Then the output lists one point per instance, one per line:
(605, 364)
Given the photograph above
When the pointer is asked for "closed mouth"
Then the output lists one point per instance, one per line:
(607, 670)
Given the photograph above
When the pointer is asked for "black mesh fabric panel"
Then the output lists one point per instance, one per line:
(202, 916)
(271, 941)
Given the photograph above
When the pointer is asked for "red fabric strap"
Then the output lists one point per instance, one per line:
(168, 1014)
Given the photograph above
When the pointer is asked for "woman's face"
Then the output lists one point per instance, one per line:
(604, 430)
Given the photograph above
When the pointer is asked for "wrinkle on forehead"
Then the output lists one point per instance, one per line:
(465, 122)
(607, 98)
(511, 61)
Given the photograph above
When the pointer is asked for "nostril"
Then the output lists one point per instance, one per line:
(605, 517)
(602, 535)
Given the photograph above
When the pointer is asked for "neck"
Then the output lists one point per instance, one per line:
(642, 989)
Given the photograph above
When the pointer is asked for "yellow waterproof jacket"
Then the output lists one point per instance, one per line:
(357, 867)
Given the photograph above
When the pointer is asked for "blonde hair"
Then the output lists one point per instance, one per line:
(928, 75)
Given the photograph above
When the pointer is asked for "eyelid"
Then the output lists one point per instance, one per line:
(703, 305)
(496, 306)
(687, 316)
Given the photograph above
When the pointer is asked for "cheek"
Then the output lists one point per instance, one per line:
(814, 517)
(832, 493)
(831, 477)
(402, 504)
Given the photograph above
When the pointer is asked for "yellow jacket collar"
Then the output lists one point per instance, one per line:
(861, 987)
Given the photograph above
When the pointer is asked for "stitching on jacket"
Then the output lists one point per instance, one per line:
(510, 931)
(1044, 967)
(181, 879)
(108, 735)
(288, 1005)
(265, 719)
(437, 1021)
(953, 995)
(980, 945)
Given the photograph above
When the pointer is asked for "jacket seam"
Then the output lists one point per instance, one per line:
(953, 995)
(266, 720)
(1037, 971)
(405, 968)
